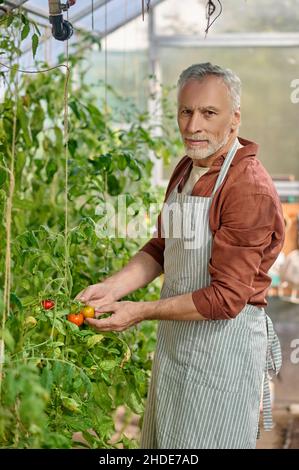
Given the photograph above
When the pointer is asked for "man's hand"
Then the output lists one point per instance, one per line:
(97, 295)
(123, 315)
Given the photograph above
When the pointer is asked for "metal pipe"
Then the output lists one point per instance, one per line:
(62, 30)
(54, 7)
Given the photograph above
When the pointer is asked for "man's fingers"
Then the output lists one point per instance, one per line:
(93, 303)
(102, 325)
(80, 296)
(105, 308)
(86, 296)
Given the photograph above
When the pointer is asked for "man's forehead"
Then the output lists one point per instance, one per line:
(210, 91)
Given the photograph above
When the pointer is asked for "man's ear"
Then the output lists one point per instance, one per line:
(236, 121)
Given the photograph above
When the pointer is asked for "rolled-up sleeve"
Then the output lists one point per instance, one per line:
(246, 231)
(156, 245)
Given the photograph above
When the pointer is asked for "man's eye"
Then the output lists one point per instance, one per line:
(210, 113)
(186, 111)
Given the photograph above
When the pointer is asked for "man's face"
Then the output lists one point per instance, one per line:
(205, 116)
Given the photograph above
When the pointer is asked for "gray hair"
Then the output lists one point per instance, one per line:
(200, 71)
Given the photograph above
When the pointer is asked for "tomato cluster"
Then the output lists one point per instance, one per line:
(78, 318)
(75, 317)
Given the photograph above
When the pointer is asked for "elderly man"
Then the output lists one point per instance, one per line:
(220, 230)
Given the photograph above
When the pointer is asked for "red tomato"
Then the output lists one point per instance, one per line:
(77, 318)
(48, 304)
(88, 312)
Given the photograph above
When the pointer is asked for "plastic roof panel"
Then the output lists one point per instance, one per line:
(118, 13)
(109, 15)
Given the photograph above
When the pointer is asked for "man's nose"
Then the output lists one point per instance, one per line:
(195, 123)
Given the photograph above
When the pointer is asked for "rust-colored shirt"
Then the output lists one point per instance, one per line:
(247, 226)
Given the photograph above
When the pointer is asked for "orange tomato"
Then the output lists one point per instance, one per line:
(88, 312)
(77, 318)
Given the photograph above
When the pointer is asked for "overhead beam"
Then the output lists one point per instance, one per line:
(36, 11)
(277, 39)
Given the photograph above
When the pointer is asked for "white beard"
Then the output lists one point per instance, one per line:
(213, 147)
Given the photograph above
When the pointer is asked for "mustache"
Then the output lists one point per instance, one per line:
(197, 137)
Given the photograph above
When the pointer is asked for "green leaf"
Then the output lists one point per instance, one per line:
(96, 115)
(51, 169)
(3, 177)
(47, 378)
(28, 300)
(102, 163)
(25, 31)
(70, 404)
(8, 339)
(20, 163)
(135, 404)
(122, 162)
(93, 340)
(59, 327)
(9, 19)
(115, 185)
(135, 167)
(75, 109)
(24, 19)
(34, 44)
(102, 396)
(15, 300)
(108, 365)
(24, 121)
(72, 146)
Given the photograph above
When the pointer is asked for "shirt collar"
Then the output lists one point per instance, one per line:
(249, 149)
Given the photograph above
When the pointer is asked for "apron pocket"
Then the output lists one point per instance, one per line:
(220, 356)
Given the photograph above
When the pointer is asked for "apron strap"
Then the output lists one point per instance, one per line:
(272, 367)
(225, 166)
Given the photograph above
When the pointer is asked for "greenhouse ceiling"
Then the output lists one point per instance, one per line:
(105, 15)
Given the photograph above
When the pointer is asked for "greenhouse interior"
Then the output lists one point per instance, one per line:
(149, 243)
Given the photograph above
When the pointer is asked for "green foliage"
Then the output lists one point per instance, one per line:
(58, 378)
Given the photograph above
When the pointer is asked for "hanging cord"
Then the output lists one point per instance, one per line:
(124, 43)
(210, 10)
(106, 124)
(8, 217)
(106, 57)
(92, 15)
(67, 278)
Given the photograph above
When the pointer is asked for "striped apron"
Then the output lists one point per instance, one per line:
(208, 376)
